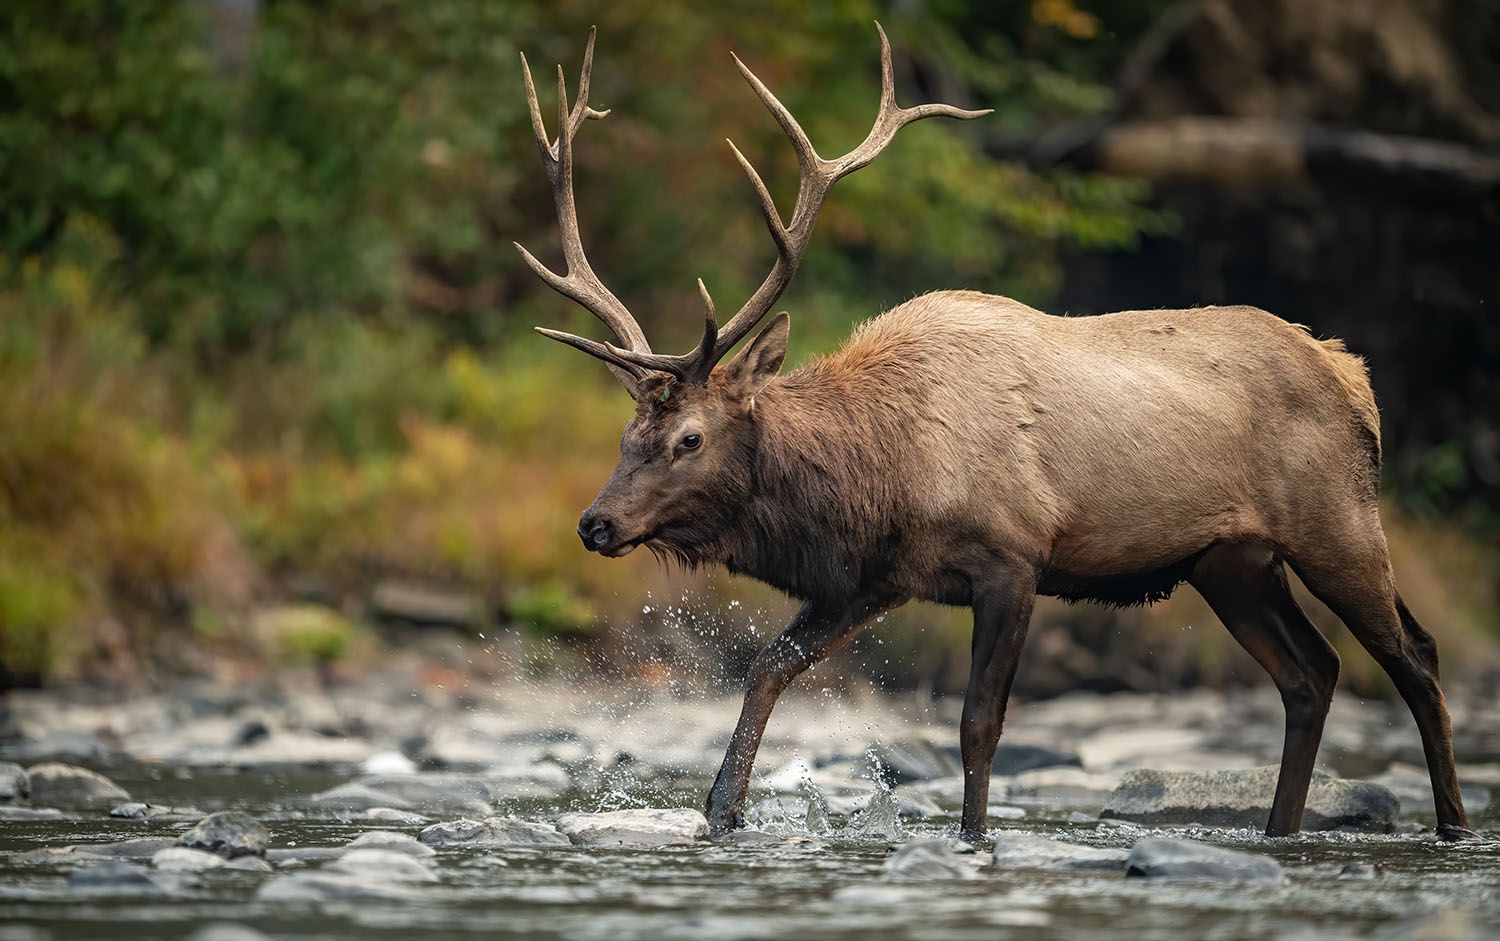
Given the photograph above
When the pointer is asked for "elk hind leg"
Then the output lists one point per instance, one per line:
(1246, 586)
(1353, 577)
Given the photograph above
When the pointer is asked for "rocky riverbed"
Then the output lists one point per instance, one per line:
(401, 807)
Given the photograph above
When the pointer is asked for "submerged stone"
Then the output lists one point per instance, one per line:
(54, 784)
(1185, 859)
(332, 887)
(227, 931)
(1243, 799)
(442, 792)
(388, 762)
(229, 833)
(382, 865)
(395, 842)
(143, 848)
(492, 831)
(356, 796)
(643, 827)
(1018, 849)
(404, 818)
(924, 860)
(20, 814)
(182, 859)
(114, 877)
(139, 810)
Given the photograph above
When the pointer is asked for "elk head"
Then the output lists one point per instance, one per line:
(685, 458)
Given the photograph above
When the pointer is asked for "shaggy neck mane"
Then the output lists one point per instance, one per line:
(823, 492)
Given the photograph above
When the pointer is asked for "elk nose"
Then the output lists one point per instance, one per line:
(595, 531)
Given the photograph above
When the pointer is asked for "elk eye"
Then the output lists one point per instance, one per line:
(691, 442)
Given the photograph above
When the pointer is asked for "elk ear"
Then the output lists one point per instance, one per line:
(760, 359)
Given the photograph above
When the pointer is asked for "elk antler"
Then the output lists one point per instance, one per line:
(580, 284)
(817, 178)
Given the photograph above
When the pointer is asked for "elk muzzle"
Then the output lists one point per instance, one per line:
(596, 530)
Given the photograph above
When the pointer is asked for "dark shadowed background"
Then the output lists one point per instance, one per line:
(268, 390)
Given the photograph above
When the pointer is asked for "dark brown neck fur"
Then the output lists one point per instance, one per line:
(824, 501)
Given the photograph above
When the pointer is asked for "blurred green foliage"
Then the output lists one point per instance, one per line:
(371, 159)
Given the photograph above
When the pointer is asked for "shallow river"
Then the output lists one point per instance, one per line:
(831, 886)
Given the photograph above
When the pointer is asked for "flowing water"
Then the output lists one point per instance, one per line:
(820, 870)
(828, 884)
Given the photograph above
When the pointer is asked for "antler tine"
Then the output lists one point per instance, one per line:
(538, 129)
(693, 367)
(817, 178)
(892, 117)
(581, 109)
(580, 284)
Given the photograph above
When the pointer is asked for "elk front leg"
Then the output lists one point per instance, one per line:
(816, 632)
(1002, 613)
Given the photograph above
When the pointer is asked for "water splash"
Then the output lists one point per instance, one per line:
(880, 818)
(817, 819)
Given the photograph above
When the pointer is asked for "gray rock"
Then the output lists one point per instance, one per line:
(388, 762)
(301, 855)
(635, 828)
(138, 810)
(1413, 789)
(356, 796)
(229, 833)
(441, 792)
(21, 814)
(76, 746)
(1017, 849)
(144, 848)
(227, 931)
(924, 860)
(403, 843)
(492, 831)
(15, 786)
(401, 818)
(1185, 859)
(115, 878)
(248, 864)
(333, 887)
(1243, 799)
(182, 859)
(381, 865)
(58, 785)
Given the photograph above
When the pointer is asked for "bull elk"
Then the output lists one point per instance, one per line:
(969, 450)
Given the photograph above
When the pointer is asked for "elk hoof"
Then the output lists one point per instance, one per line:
(976, 838)
(1450, 833)
(721, 822)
